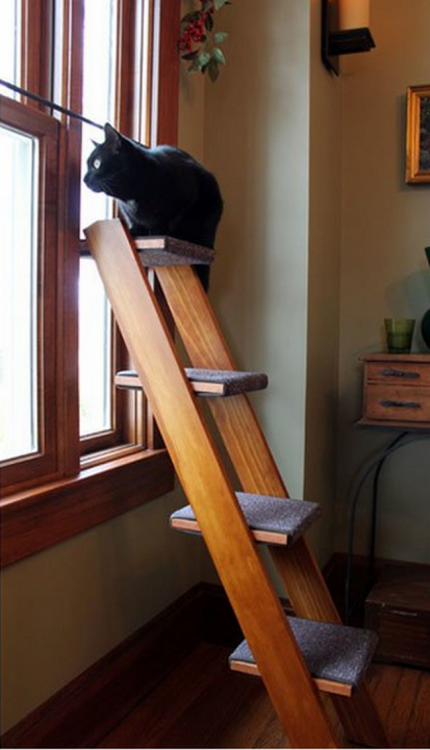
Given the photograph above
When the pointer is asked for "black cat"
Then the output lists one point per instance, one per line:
(161, 190)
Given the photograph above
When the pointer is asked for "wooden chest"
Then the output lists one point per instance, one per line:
(398, 610)
(397, 390)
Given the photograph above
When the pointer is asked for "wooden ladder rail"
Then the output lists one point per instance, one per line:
(196, 461)
(258, 473)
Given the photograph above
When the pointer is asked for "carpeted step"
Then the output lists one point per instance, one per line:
(169, 251)
(207, 382)
(337, 656)
(272, 520)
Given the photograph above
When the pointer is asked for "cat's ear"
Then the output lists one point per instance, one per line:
(113, 138)
(95, 144)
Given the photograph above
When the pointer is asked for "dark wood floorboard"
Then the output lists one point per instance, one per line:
(202, 704)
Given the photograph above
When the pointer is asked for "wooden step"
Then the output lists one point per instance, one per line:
(337, 656)
(207, 382)
(169, 251)
(272, 520)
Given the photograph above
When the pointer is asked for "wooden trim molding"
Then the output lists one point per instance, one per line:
(86, 709)
(45, 131)
(165, 86)
(83, 712)
(36, 519)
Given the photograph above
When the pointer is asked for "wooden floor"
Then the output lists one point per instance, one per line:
(201, 704)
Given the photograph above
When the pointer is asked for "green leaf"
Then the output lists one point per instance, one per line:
(203, 59)
(189, 17)
(213, 70)
(220, 36)
(218, 55)
(219, 3)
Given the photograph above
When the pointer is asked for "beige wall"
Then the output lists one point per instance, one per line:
(325, 154)
(67, 606)
(385, 226)
(256, 142)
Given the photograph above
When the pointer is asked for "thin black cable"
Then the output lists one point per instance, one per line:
(349, 607)
(399, 442)
(49, 103)
(375, 490)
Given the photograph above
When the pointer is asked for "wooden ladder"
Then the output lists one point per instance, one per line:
(231, 523)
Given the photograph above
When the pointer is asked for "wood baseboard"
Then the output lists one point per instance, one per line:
(86, 709)
(82, 712)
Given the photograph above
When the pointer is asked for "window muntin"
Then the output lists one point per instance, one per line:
(18, 295)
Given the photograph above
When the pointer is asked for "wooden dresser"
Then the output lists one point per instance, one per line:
(396, 390)
(396, 395)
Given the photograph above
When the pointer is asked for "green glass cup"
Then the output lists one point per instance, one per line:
(399, 332)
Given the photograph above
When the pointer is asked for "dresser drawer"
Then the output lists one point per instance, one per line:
(394, 403)
(401, 373)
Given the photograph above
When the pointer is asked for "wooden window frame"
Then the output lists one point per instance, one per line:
(44, 461)
(35, 517)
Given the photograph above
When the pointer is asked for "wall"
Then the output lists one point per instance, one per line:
(324, 289)
(256, 142)
(385, 226)
(64, 608)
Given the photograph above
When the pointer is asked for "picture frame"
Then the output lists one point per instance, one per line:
(418, 135)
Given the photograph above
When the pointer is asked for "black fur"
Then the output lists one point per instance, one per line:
(161, 191)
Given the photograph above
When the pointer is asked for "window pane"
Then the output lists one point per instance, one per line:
(95, 360)
(95, 364)
(98, 93)
(10, 48)
(18, 294)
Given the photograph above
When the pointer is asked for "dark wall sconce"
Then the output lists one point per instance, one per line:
(345, 30)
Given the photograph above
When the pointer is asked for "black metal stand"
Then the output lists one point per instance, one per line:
(376, 464)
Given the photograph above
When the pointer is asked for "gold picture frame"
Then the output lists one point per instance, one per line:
(418, 135)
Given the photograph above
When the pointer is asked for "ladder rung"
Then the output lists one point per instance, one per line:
(169, 251)
(207, 382)
(272, 520)
(337, 656)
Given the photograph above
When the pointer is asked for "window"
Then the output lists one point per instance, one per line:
(96, 326)
(28, 269)
(10, 32)
(59, 346)
(95, 353)
(18, 294)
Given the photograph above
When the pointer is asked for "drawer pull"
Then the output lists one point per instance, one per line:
(388, 404)
(402, 613)
(390, 373)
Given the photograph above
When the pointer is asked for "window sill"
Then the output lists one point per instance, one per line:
(36, 519)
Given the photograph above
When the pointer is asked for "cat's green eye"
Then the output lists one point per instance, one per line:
(97, 163)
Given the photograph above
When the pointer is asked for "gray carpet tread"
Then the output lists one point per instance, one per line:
(272, 520)
(169, 251)
(207, 382)
(336, 655)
